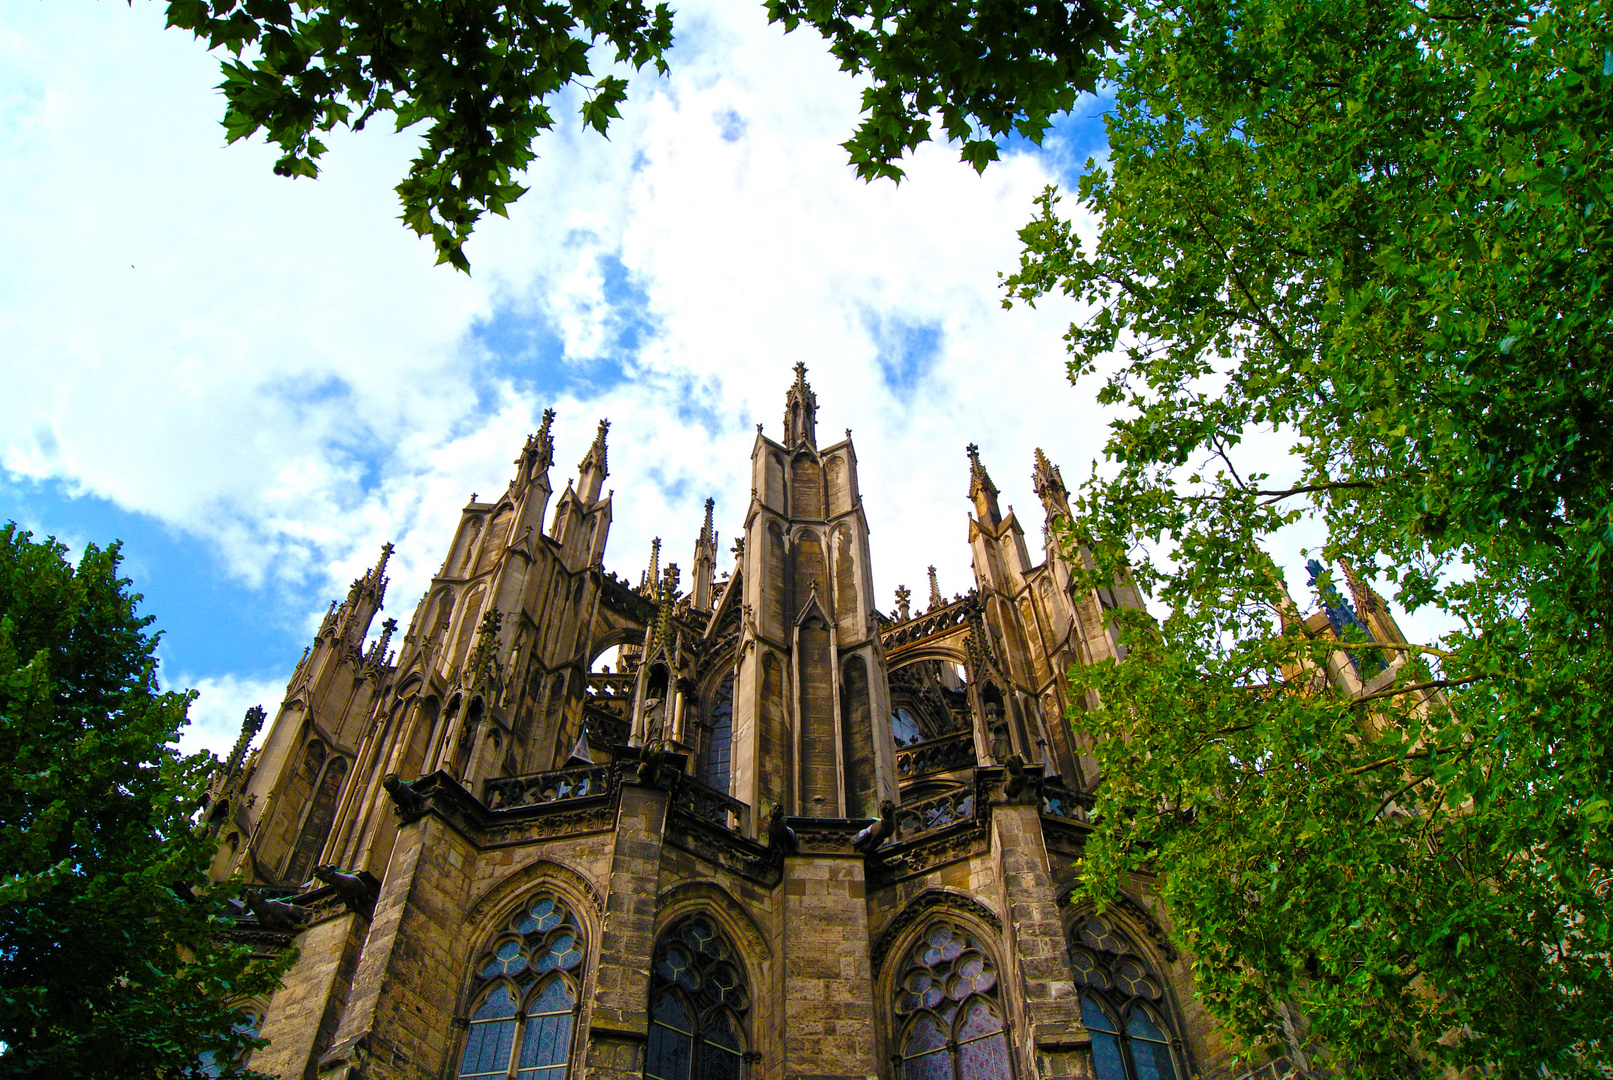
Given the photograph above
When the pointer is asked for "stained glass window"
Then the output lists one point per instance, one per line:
(719, 738)
(905, 728)
(699, 999)
(1121, 999)
(524, 1015)
(947, 1004)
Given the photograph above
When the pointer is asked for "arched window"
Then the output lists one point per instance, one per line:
(951, 1019)
(525, 1008)
(698, 1002)
(719, 738)
(1121, 1002)
(247, 1023)
(905, 728)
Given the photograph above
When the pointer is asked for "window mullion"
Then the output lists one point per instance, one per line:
(515, 1046)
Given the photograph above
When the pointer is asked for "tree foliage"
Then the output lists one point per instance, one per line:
(1377, 233)
(482, 76)
(112, 962)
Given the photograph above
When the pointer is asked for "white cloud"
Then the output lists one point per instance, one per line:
(283, 372)
(221, 704)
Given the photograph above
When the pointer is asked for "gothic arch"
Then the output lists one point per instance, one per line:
(568, 883)
(958, 918)
(953, 652)
(902, 930)
(1118, 960)
(1134, 916)
(720, 905)
(611, 637)
(543, 956)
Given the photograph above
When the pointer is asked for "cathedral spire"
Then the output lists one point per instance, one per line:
(981, 490)
(800, 412)
(705, 562)
(936, 599)
(592, 471)
(1049, 485)
(538, 453)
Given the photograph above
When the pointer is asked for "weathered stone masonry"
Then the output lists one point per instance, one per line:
(836, 841)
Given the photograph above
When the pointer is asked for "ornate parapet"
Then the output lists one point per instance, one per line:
(937, 755)
(711, 806)
(541, 789)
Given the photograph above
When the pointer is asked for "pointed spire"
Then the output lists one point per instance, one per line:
(981, 489)
(538, 453)
(377, 653)
(251, 724)
(1049, 485)
(592, 471)
(936, 600)
(652, 575)
(705, 562)
(800, 412)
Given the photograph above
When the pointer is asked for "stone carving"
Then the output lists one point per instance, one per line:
(868, 841)
(357, 892)
(407, 803)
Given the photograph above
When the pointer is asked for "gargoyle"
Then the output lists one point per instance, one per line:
(780, 837)
(408, 803)
(355, 892)
(868, 841)
(1019, 784)
(276, 915)
(650, 762)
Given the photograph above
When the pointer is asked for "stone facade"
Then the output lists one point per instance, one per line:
(818, 832)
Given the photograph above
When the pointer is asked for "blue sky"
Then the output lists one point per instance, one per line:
(255, 382)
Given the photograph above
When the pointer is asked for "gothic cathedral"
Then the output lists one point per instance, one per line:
(782, 836)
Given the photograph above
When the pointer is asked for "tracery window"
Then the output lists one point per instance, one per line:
(905, 728)
(718, 750)
(698, 1002)
(950, 1015)
(1121, 1004)
(526, 1006)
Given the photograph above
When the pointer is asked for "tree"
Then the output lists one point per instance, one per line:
(1375, 234)
(481, 77)
(113, 961)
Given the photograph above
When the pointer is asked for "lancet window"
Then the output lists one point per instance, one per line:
(1122, 1004)
(699, 999)
(951, 1019)
(717, 753)
(524, 1013)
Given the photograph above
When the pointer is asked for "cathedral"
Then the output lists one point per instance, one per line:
(743, 826)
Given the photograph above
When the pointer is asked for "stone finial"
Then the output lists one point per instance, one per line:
(1049, 484)
(936, 599)
(708, 535)
(904, 600)
(651, 578)
(595, 457)
(800, 412)
(981, 490)
(538, 453)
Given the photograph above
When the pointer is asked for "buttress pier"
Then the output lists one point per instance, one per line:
(744, 826)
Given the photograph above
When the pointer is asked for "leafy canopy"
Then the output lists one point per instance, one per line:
(481, 77)
(112, 958)
(1376, 233)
